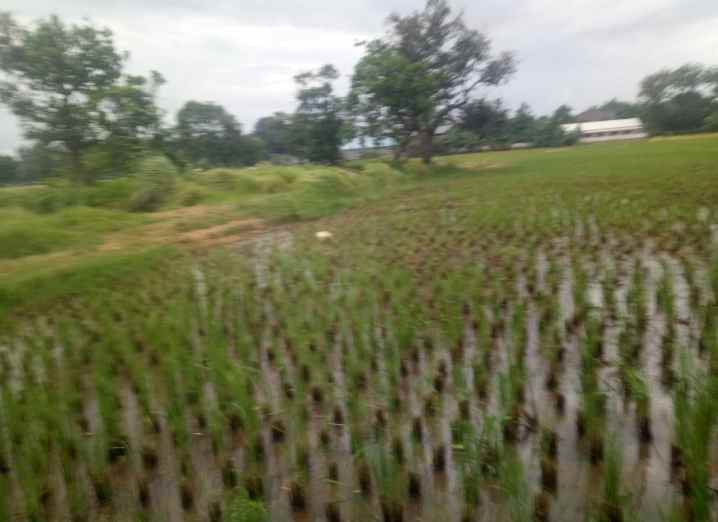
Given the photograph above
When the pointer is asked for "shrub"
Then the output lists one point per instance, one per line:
(355, 165)
(220, 179)
(19, 240)
(57, 195)
(191, 197)
(156, 176)
(114, 193)
(331, 184)
(272, 184)
(247, 185)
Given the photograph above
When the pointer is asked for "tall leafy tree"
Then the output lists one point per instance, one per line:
(130, 116)
(681, 99)
(275, 132)
(252, 149)
(317, 127)
(8, 170)
(487, 119)
(523, 124)
(547, 132)
(57, 77)
(563, 114)
(415, 79)
(208, 135)
(38, 161)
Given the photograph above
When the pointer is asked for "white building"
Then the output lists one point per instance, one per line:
(593, 131)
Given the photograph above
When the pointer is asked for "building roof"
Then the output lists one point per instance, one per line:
(589, 127)
(595, 115)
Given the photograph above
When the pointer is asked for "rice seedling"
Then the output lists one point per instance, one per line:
(452, 336)
(612, 507)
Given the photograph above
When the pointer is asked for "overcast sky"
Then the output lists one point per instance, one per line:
(243, 53)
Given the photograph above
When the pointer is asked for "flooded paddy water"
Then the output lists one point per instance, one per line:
(382, 374)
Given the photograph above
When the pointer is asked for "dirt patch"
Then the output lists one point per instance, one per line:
(199, 225)
(227, 232)
(185, 212)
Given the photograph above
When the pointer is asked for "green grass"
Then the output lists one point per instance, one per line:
(24, 233)
(629, 185)
(295, 192)
(667, 179)
(43, 288)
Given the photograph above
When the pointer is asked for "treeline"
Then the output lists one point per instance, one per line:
(413, 89)
(682, 100)
(488, 124)
(87, 119)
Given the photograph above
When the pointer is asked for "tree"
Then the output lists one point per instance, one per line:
(487, 120)
(547, 132)
(522, 125)
(563, 114)
(8, 170)
(58, 75)
(317, 129)
(275, 132)
(130, 118)
(208, 135)
(252, 149)
(416, 78)
(38, 161)
(679, 100)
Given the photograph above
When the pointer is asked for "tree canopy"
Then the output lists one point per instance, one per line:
(275, 131)
(58, 76)
(207, 134)
(318, 128)
(66, 85)
(684, 99)
(8, 170)
(416, 78)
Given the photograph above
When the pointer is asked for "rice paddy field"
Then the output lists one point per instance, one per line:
(519, 336)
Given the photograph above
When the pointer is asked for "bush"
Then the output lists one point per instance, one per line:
(24, 233)
(272, 184)
(355, 165)
(156, 176)
(191, 197)
(332, 184)
(113, 193)
(58, 194)
(219, 179)
(19, 240)
(247, 185)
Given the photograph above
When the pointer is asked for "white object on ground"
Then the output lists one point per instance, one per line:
(324, 234)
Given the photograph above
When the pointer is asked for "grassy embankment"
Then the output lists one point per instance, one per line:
(49, 231)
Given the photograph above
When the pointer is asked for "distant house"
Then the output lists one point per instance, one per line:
(357, 153)
(608, 130)
(595, 115)
(285, 159)
(383, 147)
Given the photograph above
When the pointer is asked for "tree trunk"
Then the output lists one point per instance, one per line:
(400, 148)
(78, 173)
(426, 145)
